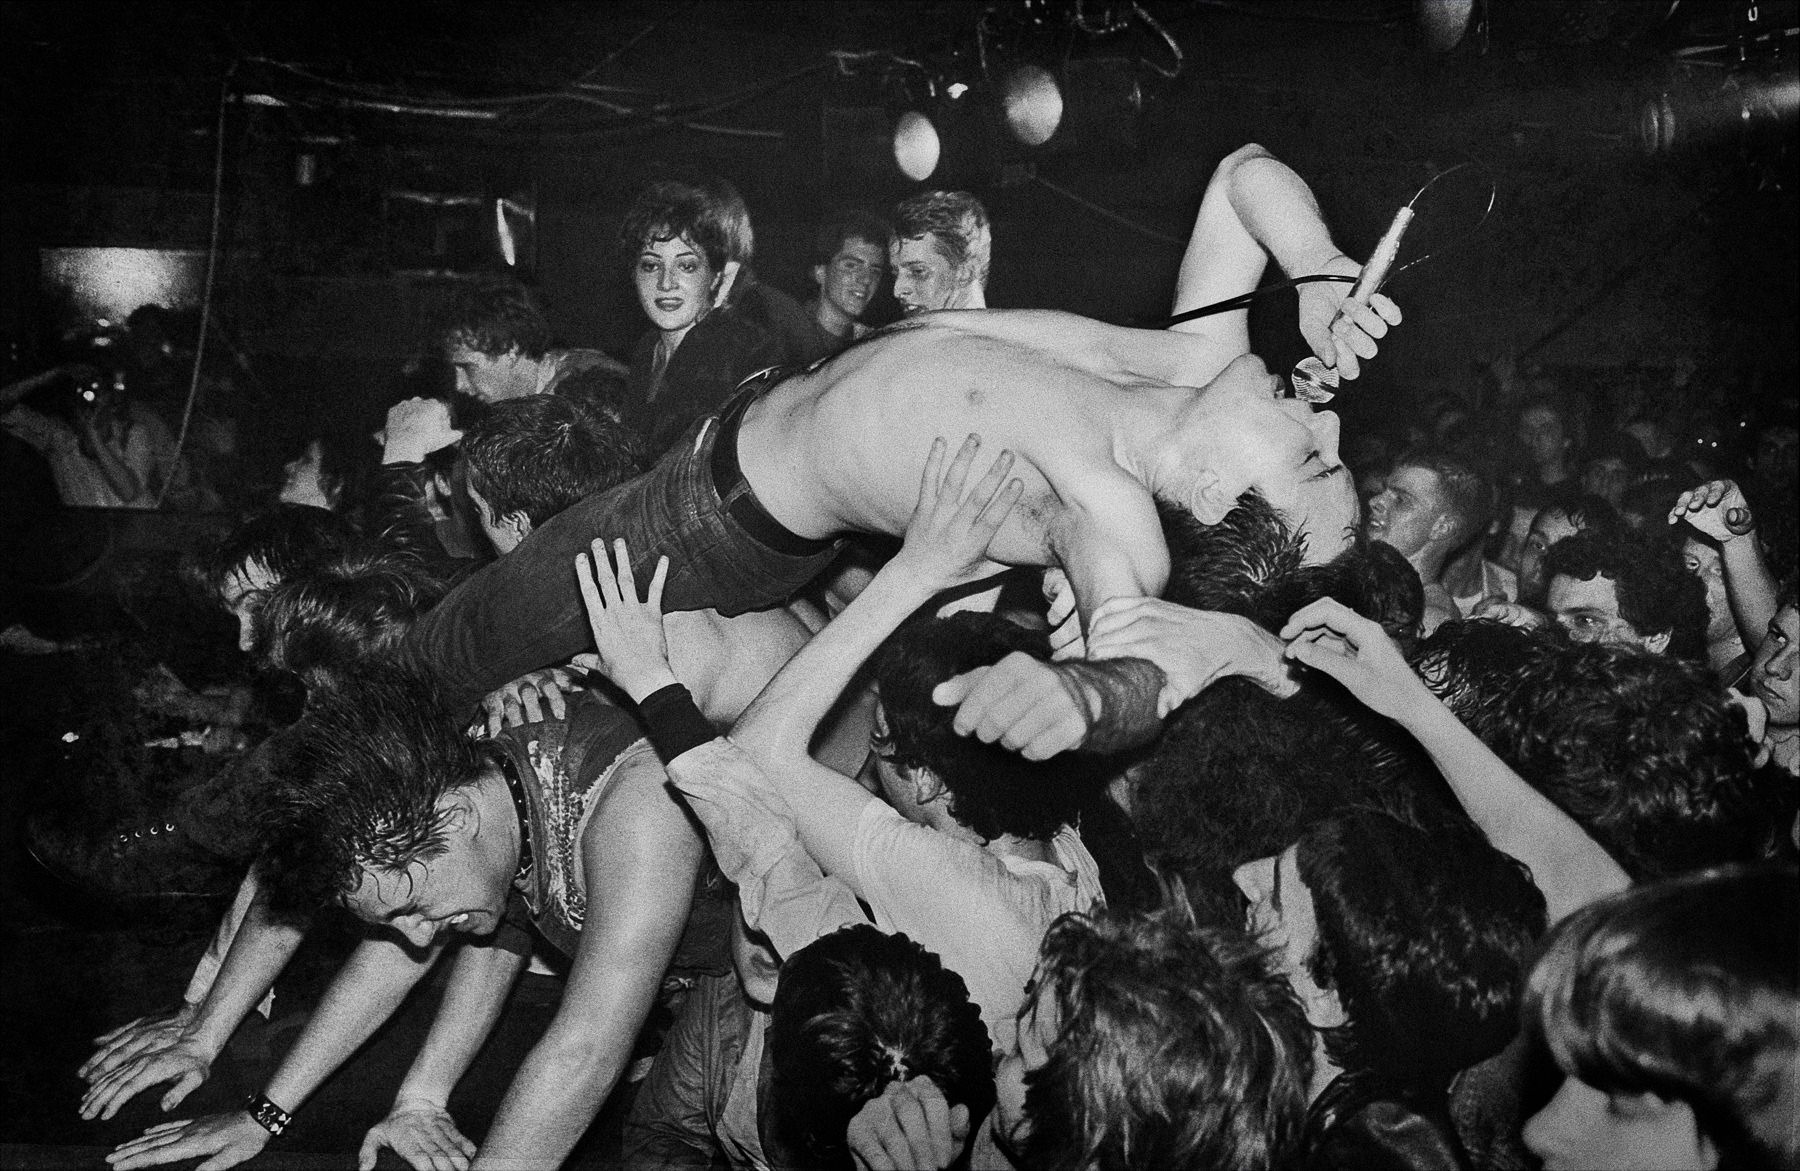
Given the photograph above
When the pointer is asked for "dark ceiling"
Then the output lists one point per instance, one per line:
(1594, 254)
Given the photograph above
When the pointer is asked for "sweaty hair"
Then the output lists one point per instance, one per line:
(1467, 491)
(1424, 937)
(539, 454)
(1178, 1046)
(855, 1010)
(287, 541)
(992, 790)
(701, 214)
(496, 318)
(844, 226)
(354, 609)
(1688, 989)
(1656, 593)
(956, 221)
(356, 787)
(1644, 751)
(1237, 773)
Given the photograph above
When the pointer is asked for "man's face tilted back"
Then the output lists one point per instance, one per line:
(1251, 437)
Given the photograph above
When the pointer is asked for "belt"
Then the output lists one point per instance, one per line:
(728, 474)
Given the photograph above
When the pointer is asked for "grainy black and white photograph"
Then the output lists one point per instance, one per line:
(880, 585)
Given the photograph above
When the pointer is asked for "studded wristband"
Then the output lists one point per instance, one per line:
(267, 1114)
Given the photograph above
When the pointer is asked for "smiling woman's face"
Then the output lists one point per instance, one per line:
(675, 284)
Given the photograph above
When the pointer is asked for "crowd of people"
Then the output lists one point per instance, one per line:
(1006, 740)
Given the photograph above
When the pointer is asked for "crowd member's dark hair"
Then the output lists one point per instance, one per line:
(1582, 509)
(1237, 773)
(845, 225)
(1424, 938)
(1466, 487)
(356, 786)
(1655, 591)
(1178, 1046)
(540, 454)
(286, 541)
(991, 789)
(1616, 445)
(855, 1010)
(1644, 508)
(1688, 989)
(669, 210)
(1646, 752)
(352, 610)
(495, 318)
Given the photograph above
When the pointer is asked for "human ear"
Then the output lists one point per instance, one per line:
(1212, 502)
(1657, 643)
(927, 787)
(819, 275)
(519, 523)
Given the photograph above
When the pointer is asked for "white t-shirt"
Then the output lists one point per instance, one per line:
(984, 915)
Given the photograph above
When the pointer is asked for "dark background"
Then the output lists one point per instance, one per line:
(1595, 256)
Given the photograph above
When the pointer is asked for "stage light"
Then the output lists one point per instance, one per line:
(1741, 111)
(1444, 23)
(917, 148)
(1033, 104)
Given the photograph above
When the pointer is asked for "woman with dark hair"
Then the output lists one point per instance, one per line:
(680, 238)
(1673, 1011)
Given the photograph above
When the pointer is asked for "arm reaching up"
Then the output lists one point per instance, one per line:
(1568, 865)
(1256, 207)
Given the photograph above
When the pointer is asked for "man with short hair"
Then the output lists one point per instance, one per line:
(526, 460)
(941, 250)
(1102, 422)
(849, 262)
(496, 339)
(1623, 590)
(1433, 505)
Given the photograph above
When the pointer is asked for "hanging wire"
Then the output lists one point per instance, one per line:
(1108, 214)
(206, 291)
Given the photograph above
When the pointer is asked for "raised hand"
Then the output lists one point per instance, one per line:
(1339, 331)
(628, 633)
(1716, 508)
(1329, 636)
(223, 1140)
(422, 1133)
(526, 699)
(947, 538)
(911, 1126)
(1195, 648)
(416, 427)
(1066, 641)
(1022, 703)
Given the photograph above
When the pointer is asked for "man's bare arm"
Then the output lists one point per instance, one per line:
(641, 856)
(1255, 207)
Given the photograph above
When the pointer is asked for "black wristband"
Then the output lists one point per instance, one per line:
(674, 723)
(267, 1114)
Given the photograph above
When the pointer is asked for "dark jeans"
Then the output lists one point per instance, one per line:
(524, 611)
